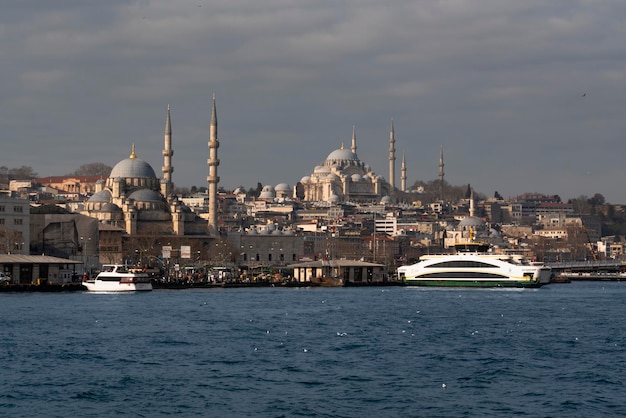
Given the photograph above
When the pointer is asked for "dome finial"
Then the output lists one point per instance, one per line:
(342, 146)
(132, 153)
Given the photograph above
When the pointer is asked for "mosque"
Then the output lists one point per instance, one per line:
(136, 200)
(342, 177)
(133, 198)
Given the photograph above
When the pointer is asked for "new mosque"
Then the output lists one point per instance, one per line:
(133, 198)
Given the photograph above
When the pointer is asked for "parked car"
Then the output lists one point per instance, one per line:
(4, 278)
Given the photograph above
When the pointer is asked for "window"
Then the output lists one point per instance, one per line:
(18, 209)
(1, 221)
(462, 264)
(17, 221)
(1, 208)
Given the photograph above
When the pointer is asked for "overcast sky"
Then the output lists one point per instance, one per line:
(523, 96)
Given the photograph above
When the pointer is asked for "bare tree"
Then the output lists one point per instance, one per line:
(92, 169)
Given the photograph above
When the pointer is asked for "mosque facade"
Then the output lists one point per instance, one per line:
(343, 177)
(135, 199)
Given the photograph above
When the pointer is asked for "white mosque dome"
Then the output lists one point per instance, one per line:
(282, 187)
(356, 177)
(341, 154)
(267, 192)
(321, 170)
(333, 177)
(305, 179)
(385, 200)
(239, 190)
(333, 198)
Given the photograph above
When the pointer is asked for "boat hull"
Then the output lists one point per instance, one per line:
(472, 283)
(109, 286)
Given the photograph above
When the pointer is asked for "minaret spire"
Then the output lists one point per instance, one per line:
(167, 156)
(392, 157)
(441, 173)
(403, 174)
(353, 140)
(213, 178)
(132, 152)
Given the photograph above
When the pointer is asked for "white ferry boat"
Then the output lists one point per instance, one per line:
(118, 278)
(472, 266)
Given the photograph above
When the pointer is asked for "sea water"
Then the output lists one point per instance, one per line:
(322, 352)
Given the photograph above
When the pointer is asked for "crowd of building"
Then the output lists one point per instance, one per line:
(342, 210)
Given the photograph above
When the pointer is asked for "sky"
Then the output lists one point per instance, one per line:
(523, 96)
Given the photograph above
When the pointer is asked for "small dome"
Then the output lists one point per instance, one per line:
(385, 200)
(282, 187)
(333, 177)
(110, 207)
(471, 222)
(321, 170)
(267, 192)
(145, 195)
(356, 177)
(101, 196)
(333, 198)
(305, 179)
(239, 190)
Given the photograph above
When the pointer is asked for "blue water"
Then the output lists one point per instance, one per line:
(325, 352)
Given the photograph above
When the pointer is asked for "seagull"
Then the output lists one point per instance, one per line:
(584, 94)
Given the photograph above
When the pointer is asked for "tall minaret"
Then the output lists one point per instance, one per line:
(353, 140)
(166, 187)
(392, 158)
(403, 174)
(441, 173)
(213, 178)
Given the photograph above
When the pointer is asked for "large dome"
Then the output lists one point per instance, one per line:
(341, 154)
(132, 167)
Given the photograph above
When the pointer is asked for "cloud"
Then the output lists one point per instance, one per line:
(498, 83)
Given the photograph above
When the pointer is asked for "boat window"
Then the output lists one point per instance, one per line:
(461, 264)
(445, 275)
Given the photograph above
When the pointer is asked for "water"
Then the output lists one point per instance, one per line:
(324, 352)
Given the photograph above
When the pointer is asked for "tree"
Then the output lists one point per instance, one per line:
(23, 173)
(92, 169)
(596, 200)
(581, 204)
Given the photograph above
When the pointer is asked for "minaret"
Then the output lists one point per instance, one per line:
(392, 157)
(441, 173)
(213, 178)
(472, 210)
(403, 174)
(166, 187)
(353, 140)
